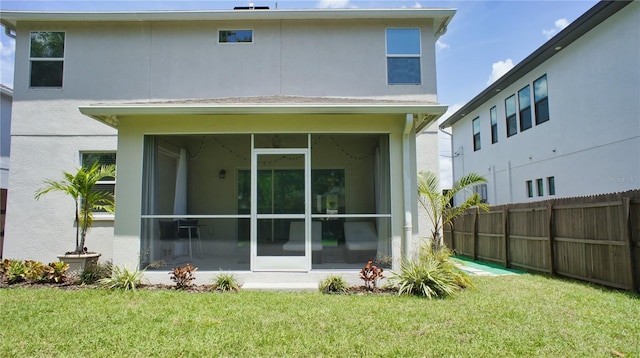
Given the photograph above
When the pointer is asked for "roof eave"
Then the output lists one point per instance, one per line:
(109, 115)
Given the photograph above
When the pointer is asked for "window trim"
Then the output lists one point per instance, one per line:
(49, 59)
(236, 43)
(475, 127)
(521, 109)
(418, 55)
(551, 185)
(540, 187)
(493, 115)
(536, 101)
(514, 115)
(529, 187)
(99, 215)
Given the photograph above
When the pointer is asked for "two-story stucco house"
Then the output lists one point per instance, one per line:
(245, 140)
(565, 121)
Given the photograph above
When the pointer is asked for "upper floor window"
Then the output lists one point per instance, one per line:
(524, 105)
(235, 36)
(403, 56)
(493, 113)
(541, 100)
(476, 133)
(510, 112)
(481, 190)
(102, 158)
(46, 55)
(539, 187)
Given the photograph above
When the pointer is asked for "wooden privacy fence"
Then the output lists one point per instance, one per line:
(596, 239)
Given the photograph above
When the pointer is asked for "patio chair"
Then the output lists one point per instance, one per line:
(296, 240)
(189, 229)
(168, 236)
(361, 241)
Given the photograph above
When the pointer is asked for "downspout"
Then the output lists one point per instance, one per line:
(407, 185)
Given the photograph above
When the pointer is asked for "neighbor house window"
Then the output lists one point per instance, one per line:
(551, 185)
(541, 100)
(510, 112)
(102, 158)
(46, 55)
(235, 36)
(476, 133)
(493, 113)
(529, 188)
(540, 187)
(481, 190)
(403, 56)
(524, 105)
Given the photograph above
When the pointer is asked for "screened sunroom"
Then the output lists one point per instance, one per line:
(247, 201)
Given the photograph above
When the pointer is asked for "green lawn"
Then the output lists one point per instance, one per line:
(520, 315)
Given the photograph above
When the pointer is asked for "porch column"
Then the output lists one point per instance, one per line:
(407, 185)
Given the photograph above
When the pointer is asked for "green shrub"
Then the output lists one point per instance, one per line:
(96, 273)
(123, 278)
(226, 282)
(432, 275)
(34, 271)
(56, 272)
(183, 276)
(14, 271)
(333, 284)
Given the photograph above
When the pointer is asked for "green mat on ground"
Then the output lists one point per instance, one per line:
(487, 266)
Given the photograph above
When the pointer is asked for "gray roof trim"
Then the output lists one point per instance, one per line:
(590, 19)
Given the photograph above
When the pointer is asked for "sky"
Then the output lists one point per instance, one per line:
(484, 40)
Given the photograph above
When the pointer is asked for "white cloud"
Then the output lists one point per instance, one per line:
(417, 5)
(442, 45)
(333, 4)
(498, 69)
(559, 25)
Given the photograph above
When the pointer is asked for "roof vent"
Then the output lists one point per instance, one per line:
(251, 7)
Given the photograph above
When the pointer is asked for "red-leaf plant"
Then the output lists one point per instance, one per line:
(371, 274)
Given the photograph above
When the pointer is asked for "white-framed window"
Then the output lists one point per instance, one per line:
(539, 187)
(551, 185)
(493, 113)
(102, 158)
(481, 190)
(232, 36)
(46, 57)
(510, 114)
(529, 188)
(524, 106)
(476, 134)
(541, 100)
(404, 51)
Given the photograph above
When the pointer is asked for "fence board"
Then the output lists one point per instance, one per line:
(596, 239)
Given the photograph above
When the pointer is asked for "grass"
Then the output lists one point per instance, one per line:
(508, 316)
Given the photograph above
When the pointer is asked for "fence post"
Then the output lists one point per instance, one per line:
(550, 223)
(505, 237)
(626, 221)
(475, 234)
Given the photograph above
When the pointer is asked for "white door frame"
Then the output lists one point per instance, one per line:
(280, 263)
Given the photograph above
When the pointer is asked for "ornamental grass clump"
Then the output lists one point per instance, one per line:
(123, 278)
(432, 275)
(333, 284)
(226, 282)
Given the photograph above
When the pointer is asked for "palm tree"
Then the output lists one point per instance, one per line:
(437, 203)
(80, 186)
